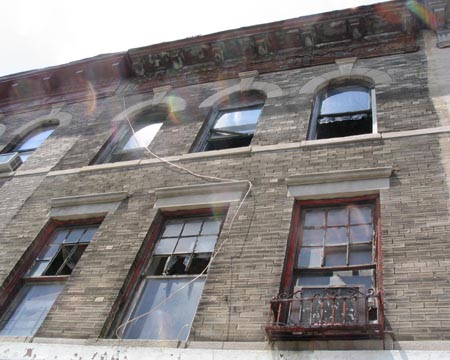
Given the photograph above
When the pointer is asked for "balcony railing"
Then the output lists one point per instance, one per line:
(332, 312)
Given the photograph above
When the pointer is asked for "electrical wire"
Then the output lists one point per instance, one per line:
(213, 255)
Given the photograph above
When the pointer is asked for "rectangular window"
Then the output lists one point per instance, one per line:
(332, 276)
(167, 298)
(45, 280)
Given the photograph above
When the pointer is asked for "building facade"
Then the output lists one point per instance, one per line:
(267, 192)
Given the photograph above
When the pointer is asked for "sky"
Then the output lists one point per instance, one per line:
(40, 33)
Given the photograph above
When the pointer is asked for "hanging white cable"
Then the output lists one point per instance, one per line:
(213, 255)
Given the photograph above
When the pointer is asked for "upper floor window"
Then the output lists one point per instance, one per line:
(45, 279)
(232, 123)
(342, 110)
(32, 141)
(126, 144)
(332, 276)
(166, 300)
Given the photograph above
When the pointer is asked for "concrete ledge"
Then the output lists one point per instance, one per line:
(276, 147)
(340, 140)
(196, 196)
(217, 153)
(338, 183)
(85, 206)
(88, 199)
(32, 172)
(134, 350)
(408, 133)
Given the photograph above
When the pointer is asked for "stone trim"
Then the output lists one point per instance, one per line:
(85, 206)
(338, 183)
(376, 77)
(247, 83)
(197, 196)
(341, 140)
(160, 97)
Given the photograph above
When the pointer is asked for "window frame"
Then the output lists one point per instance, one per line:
(280, 326)
(317, 102)
(114, 146)
(11, 296)
(242, 101)
(136, 280)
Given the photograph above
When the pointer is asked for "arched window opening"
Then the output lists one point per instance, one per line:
(233, 122)
(33, 141)
(342, 110)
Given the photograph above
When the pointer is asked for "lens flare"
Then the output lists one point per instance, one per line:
(423, 13)
(92, 99)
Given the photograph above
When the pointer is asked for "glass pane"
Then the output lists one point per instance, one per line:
(338, 278)
(360, 257)
(172, 230)
(185, 245)
(60, 235)
(74, 236)
(336, 236)
(211, 227)
(361, 233)
(313, 237)
(192, 228)
(142, 137)
(205, 244)
(31, 311)
(25, 155)
(345, 99)
(240, 121)
(88, 235)
(49, 252)
(37, 269)
(335, 257)
(313, 280)
(337, 217)
(314, 218)
(361, 215)
(173, 319)
(310, 257)
(166, 246)
(35, 139)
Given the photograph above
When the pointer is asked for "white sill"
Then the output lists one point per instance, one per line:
(340, 140)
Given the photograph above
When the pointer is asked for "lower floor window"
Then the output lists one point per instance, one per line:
(332, 278)
(45, 279)
(166, 300)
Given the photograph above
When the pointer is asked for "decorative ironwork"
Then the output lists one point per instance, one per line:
(330, 311)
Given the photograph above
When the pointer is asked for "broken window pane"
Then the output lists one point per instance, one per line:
(173, 319)
(177, 265)
(199, 263)
(49, 252)
(157, 265)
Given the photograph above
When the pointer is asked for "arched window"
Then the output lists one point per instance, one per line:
(32, 141)
(342, 109)
(126, 144)
(232, 123)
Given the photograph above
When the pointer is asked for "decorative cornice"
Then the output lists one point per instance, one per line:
(80, 80)
(363, 32)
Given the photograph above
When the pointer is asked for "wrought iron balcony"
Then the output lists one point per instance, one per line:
(330, 312)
